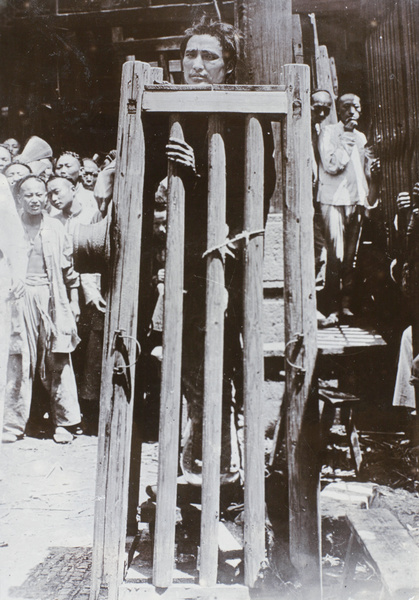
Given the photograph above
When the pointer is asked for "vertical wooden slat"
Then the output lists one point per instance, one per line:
(164, 539)
(116, 398)
(324, 80)
(254, 491)
(300, 319)
(214, 340)
(156, 75)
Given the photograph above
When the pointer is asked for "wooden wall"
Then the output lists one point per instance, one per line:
(393, 67)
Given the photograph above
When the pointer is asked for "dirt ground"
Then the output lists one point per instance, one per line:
(47, 507)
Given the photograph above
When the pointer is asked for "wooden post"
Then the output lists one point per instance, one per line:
(120, 349)
(156, 74)
(267, 28)
(164, 540)
(254, 465)
(300, 337)
(214, 343)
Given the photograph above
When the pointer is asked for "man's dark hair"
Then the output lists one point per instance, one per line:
(26, 178)
(70, 153)
(228, 36)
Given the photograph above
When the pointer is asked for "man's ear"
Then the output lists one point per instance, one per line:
(229, 68)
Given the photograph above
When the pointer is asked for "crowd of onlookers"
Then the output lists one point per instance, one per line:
(51, 315)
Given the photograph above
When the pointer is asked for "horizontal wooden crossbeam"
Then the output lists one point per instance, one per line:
(216, 99)
(128, 591)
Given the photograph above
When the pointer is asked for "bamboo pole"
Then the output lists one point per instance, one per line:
(300, 337)
(164, 540)
(120, 350)
(214, 342)
(254, 491)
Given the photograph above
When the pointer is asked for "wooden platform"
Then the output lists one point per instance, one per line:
(343, 339)
(387, 544)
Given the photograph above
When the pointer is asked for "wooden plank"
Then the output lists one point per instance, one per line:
(253, 378)
(324, 80)
(214, 345)
(213, 101)
(116, 397)
(224, 87)
(390, 547)
(297, 40)
(300, 319)
(164, 539)
(335, 340)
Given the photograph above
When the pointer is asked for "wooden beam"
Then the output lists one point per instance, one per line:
(203, 101)
(177, 591)
(164, 539)
(300, 337)
(120, 350)
(253, 376)
(174, 13)
(214, 355)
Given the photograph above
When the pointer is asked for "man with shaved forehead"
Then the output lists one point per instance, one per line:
(345, 172)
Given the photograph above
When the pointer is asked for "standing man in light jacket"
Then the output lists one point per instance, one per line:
(345, 172)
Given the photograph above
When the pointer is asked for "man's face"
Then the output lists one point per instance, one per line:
(203, 62)
(5, 157)
(32, 197)
(15, 173)
(68, 166)
(13, 146)
(89, 173)
(349, 110)
(321, 103)
(61, 194)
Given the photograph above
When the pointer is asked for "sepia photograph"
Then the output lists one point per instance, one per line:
(209, 300)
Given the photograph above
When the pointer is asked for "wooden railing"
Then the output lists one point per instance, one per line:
(291, 105)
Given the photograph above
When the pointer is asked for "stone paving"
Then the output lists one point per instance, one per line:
(46, 516)
(46, 519)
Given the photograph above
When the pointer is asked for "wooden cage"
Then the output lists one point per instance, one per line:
(290, 105)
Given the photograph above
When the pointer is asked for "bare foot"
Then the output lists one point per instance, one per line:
(62, 436)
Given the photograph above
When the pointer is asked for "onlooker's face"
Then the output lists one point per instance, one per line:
(349, 110)
(5, 157)
(13, 146)
(203, 61)
(68, 166)
(159, 224)
(89, 173)
(60, 194)
(15, 173)
(321, 103)
(32, 197)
